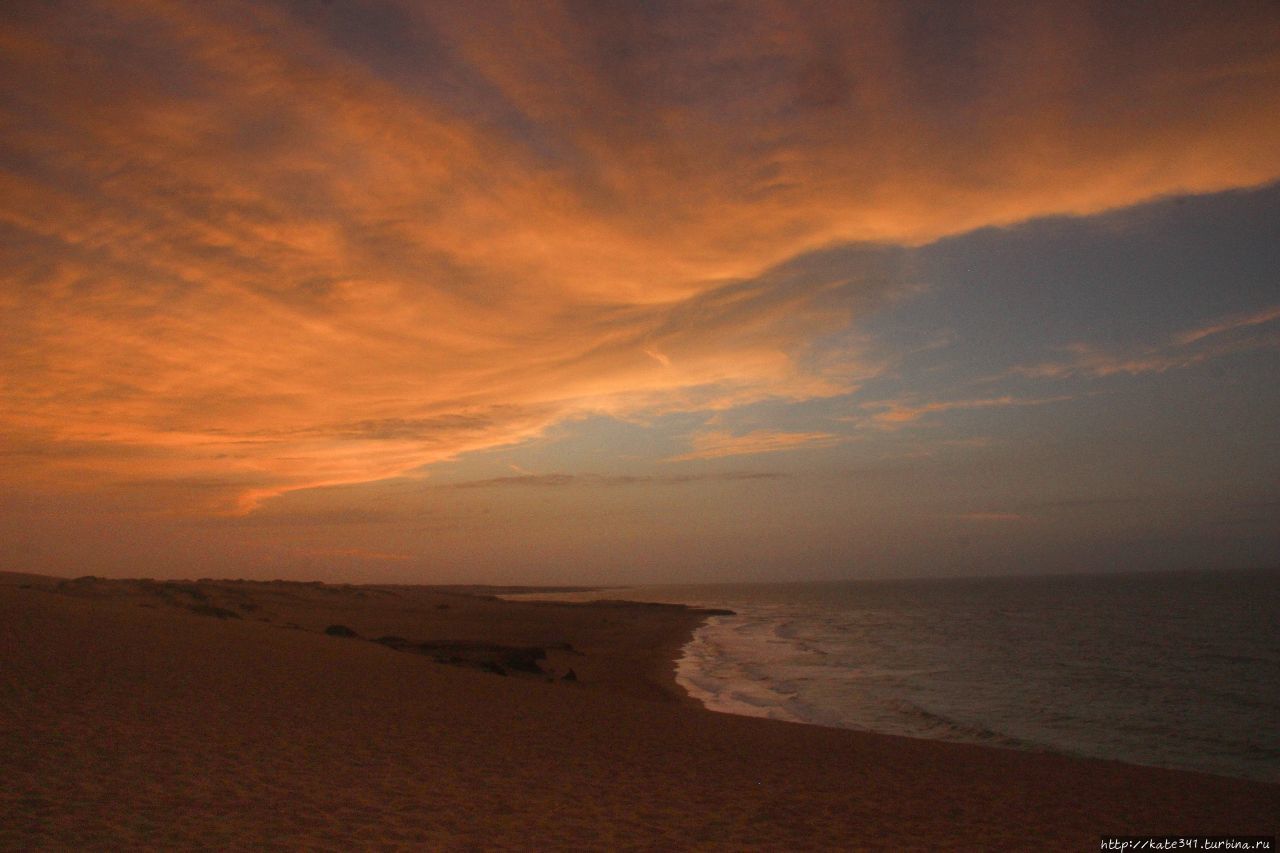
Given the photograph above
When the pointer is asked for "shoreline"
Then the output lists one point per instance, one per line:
(781, 660)
(138, 720)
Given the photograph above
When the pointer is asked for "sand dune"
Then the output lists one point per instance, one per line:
(220, 715)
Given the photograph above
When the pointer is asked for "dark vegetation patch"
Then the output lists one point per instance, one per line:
(188, 589)
(213, 610)
(490, 657)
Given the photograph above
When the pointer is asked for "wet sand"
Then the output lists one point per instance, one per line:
(221, 715)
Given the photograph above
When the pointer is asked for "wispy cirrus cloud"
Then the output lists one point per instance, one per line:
(279, 246)
(895, 413)
(716, 444)
(1230, 324)
(1194, 346)
(565, 480)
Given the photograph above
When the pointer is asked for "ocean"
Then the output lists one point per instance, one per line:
(1178, 669)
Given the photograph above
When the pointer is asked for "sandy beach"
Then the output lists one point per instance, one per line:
(239, 715)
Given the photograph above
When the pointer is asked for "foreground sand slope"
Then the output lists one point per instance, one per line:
(128, 720)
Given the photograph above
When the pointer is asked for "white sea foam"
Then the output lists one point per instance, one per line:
(732, 664)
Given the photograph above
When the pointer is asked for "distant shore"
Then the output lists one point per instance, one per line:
(214, 714)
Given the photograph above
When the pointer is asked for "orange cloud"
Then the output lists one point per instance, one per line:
(245, 248)
(897, 413)
(716, 444)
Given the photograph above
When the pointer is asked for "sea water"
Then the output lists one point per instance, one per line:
(1178, 669)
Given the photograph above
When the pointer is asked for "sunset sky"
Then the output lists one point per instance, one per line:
(615, 292)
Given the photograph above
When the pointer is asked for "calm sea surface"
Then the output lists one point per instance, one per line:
(1173, 669)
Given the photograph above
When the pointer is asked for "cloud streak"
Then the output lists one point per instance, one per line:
(717, 444)
(1230, 324)
(276, 246)
(540, 481)
(988, 517)
(898, 413)
(1199, 345)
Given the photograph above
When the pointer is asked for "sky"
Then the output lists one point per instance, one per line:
(618, 292)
